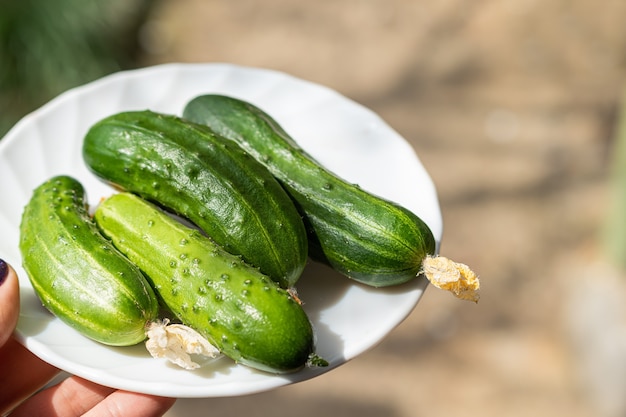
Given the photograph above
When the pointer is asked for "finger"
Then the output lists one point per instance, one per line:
(129, 404)
(17, 383)
(9, 301)
(71, 397)
(21, 374)
(78, 397)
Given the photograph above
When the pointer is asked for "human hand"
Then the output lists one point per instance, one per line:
(22, 374)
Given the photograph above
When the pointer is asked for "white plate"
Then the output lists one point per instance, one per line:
(348, 318)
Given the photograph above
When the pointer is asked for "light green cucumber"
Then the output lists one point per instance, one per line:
(241, 311)
(363, 236)
(207, 179)
(77, 273)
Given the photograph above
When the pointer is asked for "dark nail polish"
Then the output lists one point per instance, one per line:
(4, 271)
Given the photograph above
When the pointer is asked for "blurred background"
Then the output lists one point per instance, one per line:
(514, 109)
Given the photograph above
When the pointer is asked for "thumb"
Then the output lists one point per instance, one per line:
(9, 301)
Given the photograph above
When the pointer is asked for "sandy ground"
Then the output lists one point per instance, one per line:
(511, 107)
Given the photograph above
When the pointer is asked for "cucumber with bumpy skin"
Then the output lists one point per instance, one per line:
(78, 274)
(242, 312)
(365, 237)
(205, 178)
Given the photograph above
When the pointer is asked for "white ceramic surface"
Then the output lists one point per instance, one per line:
(348, 318)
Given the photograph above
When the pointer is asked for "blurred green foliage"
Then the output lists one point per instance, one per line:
(49, 46)
(615, 227)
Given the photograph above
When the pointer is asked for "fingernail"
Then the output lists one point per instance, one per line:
(4, 271)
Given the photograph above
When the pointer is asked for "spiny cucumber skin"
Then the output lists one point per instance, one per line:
(239, 310)
(365, 237)
(207, 179)
(79, 275)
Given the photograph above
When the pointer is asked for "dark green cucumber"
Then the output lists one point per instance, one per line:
(77, 273)
(363, 236)
(207, 179)
(242, 312)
